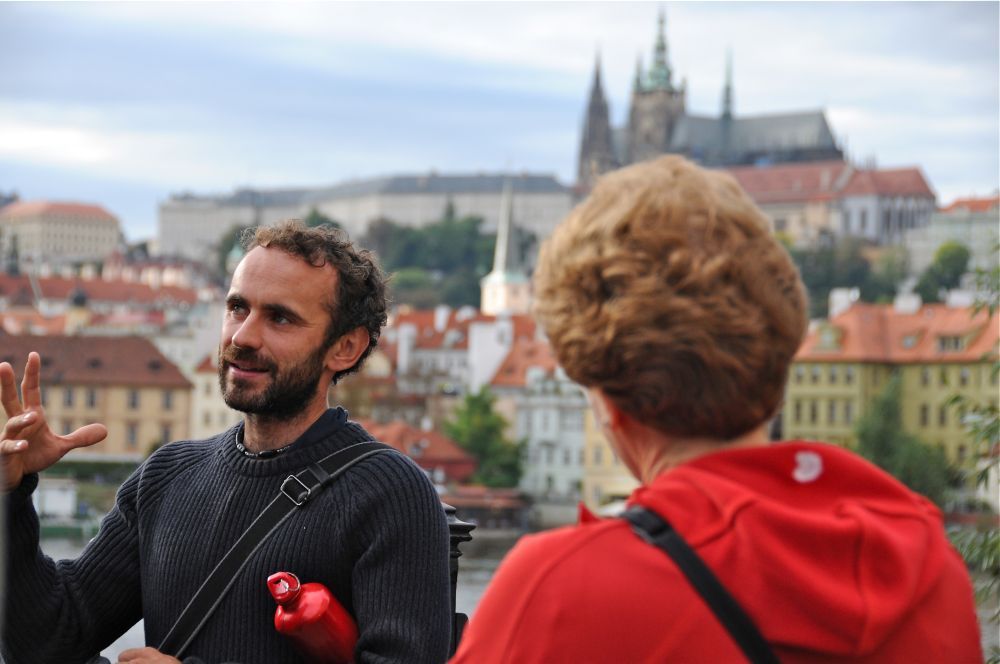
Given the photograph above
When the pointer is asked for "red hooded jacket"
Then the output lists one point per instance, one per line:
(832, 558)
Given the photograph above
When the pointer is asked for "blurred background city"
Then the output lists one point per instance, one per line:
(137, 141)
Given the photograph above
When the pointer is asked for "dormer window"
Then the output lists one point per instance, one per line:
(829, 337)
(950, 343)
(909, 341)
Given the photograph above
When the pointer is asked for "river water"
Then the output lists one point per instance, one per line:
(476, 566)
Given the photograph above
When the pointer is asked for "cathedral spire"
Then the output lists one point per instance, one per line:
(660, 74)
(727, 91)
(596, 89)
(597, 154)
(637, 81)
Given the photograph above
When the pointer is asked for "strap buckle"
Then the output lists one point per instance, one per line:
(302, 497)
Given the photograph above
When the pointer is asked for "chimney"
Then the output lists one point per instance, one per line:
(907, 303)
(441, 314)
(841, 300)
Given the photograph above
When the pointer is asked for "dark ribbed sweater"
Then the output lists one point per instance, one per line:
(376, 537)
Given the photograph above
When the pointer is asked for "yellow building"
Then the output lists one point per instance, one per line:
(937, 351)
(209, 412)
(124, 383)
(606, 480)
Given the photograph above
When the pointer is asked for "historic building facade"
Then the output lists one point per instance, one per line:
(659, 122)
(937, 350)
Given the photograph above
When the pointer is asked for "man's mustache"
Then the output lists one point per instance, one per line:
(246, 358)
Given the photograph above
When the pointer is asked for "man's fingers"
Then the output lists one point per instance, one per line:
(10, 446)
(31, 392)
(145, 655)
(87, 435)
(15, 427)
(8, 390)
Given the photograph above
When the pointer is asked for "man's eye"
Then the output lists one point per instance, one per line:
(281, 320)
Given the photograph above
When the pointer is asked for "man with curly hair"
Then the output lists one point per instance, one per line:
(305, 308)
(667, 298)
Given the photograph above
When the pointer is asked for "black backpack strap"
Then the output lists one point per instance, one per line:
(651, 527)
(296, 491)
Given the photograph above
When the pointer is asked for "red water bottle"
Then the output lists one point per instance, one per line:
(320, 628)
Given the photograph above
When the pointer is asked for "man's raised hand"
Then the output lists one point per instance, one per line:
(27, 445)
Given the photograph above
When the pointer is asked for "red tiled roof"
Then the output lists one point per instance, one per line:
(474, 495)
(59, 288)
(31, 322)
(879, 333)
(429, 449)
(55, 209)
(890, 182)
(207, 364)
(524, 353)
(973, 204)
(787, 183)
(429, 338)
(76, 360)
(826, 180)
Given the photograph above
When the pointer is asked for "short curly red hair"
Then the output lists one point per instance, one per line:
(666, 290)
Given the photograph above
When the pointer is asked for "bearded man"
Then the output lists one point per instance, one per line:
(305, 308)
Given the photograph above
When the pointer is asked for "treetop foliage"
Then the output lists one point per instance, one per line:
(479, 429)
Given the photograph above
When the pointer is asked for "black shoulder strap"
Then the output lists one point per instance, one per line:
(651, 527)
(295, 492)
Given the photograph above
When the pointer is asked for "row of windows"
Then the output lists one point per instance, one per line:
(131, 432)
(222, 417)
(90, 397)
(837, 411)
(548, 456)
(598, 456)
(964, 376)
(567, 420)
(834, 373)
(842, 412)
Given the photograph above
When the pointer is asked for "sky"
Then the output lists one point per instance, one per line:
(123, 104)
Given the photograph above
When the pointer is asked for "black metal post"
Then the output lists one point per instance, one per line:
(458, 531)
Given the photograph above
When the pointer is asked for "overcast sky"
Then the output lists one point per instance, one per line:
(122, 104)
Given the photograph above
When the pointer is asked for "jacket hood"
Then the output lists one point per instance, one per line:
(825, 551)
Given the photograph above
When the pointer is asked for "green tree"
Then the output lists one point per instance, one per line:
(889, 270)
(951, 261)
(830, 266)
(415, 286)
(980, 546)
(317, 218)
(229, 239)
(882, 441)
(478, 428)
(441, 262)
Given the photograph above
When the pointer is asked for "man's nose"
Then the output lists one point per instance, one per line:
(247, 335)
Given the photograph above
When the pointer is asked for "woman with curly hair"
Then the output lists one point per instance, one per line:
(668, 299)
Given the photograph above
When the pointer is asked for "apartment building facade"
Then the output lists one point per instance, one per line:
(124, 383)
(936, 350)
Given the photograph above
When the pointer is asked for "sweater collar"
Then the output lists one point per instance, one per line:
(329, 433)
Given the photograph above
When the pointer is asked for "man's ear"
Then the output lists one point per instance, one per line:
(346, 350)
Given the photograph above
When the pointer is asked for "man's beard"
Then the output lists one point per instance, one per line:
(286, 396)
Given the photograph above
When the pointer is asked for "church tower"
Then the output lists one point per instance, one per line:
(597, 154)
(657, 105)
(726, 118)
(506, 289)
